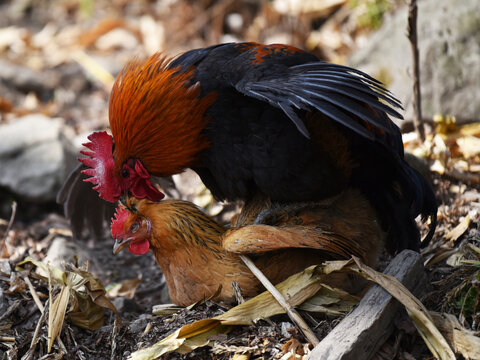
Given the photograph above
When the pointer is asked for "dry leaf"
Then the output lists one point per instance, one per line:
(459, 230)
(444, 124)
(85, 313)
(440, 255)
(127, 288)
(93, 67)
(292, 349)
(241, 357)
(166, 309)
(5, 268)
(469, 146)
(93, 291)
(465, 342)
(185, 339)
(56, 274)
(56, 313)
(310, 7)
(296, 289)
(330, 301)
(86, 295)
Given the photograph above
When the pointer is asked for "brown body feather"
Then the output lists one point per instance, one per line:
(197, 255)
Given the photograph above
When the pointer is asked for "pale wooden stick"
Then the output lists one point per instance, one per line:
(114, 340)
(291, 312)
(7, 338)
(34, 293)
(29, 354)
(9, 226)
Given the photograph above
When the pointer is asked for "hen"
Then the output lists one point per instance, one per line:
(198, 255)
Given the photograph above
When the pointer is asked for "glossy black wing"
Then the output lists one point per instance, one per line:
(339, 92)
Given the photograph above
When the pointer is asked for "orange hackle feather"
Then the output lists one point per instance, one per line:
(157, 116)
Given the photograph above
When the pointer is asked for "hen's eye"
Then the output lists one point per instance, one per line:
(134, 228)
(125, 173)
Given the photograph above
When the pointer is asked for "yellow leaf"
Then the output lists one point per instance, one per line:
(171, 343)
(56, 315)
(296, 289)
(56, 274)
(459, 230)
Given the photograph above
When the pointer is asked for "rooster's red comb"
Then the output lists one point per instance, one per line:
(121, 215)
(101, 165)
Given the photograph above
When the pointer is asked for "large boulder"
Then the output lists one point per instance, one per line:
(34, 157)
(449, 46)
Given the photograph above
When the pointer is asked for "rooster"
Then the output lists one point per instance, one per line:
(198, 255)
(258, 120)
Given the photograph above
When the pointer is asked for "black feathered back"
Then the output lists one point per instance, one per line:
(264, 94)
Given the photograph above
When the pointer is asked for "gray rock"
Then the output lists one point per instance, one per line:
(5, 268)
(449, 46)
(123, 304)
(63, 250)
(24, 79)
(287, 329)
(139, 324)
(28, 131)
(34, 157)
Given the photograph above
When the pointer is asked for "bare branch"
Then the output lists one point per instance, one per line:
(417, 97)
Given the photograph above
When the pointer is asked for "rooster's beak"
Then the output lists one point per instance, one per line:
(119, 245)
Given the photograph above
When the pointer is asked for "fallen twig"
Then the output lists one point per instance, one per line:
(114, 340)
(29, 354)
(9, 226)
(11, 309)
(291, 312)
(469, 178)
(34, 294)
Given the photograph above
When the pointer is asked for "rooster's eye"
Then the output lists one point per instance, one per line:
(134, 228)
(125, 173)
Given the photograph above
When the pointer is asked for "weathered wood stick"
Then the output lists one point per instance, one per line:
(361, 333)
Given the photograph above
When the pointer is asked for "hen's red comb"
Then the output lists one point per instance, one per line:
(121, 215)
(101, 165)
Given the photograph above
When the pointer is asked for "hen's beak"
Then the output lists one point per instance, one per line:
(120, 244)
